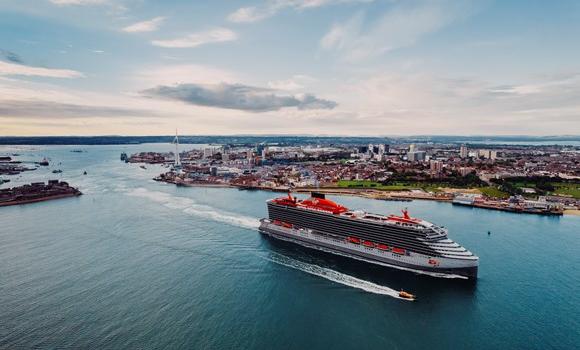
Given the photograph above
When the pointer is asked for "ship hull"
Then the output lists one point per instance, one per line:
(419, 263)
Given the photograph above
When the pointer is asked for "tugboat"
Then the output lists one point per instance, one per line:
(406, 295)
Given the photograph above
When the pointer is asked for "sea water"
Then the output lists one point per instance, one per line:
(134, 263)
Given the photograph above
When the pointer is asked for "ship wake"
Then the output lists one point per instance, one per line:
(334, 276)
(189, 206)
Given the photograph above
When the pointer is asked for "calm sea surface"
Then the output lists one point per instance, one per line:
(138, 264)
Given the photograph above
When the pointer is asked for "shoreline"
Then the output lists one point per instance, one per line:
(36, 200)
(402, 196)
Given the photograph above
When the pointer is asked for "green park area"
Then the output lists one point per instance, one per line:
(393, 186)
(503, 189)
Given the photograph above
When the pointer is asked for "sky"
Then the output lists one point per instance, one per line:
(317, 67)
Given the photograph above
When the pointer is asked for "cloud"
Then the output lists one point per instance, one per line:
(216, 35)
(401, 26)
(78, 2)
(39, 109)
(270, 8)
(238, 96)
(7, 68)
(145, 26)
(11, 56)
(297, 82)
(182, 73)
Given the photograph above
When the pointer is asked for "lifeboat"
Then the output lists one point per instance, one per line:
(399, 251)
(406, 295)
(287, 225)
(433, 262)
(353, 240)
(369, 244)
(383, 246)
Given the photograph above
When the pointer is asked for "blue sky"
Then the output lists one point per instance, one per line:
(327, 67)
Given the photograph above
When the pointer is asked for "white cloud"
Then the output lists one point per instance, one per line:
(288, 84)
(399, 27)
(78, 2)
(197, 39)
(237, 96)
(182, 73)
(297, 82)
(270, 8)
(397, 103)
(251, 14)
(7, 68)
(145, 26)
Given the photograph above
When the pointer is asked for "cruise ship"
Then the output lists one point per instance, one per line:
(402, 242)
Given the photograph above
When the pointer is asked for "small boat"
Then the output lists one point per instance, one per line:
(406, 295)
(85, 173)
(57, 171)
(142, 167)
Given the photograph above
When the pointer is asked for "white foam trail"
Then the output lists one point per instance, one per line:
(188, 206)
(335, 276)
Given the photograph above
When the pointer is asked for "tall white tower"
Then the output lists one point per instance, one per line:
(177, 164)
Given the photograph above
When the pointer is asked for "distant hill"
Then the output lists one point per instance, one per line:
(273, 139)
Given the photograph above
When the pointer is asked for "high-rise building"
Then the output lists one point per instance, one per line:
(207, 153)
(225, 154)
(412, 147)
(370, 150)
(464, 171)
(436, 166)
(260, 148)
(463, 152)
(487, 154)
(416, 156)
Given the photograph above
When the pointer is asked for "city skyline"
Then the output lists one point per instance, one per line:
(312, 67)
